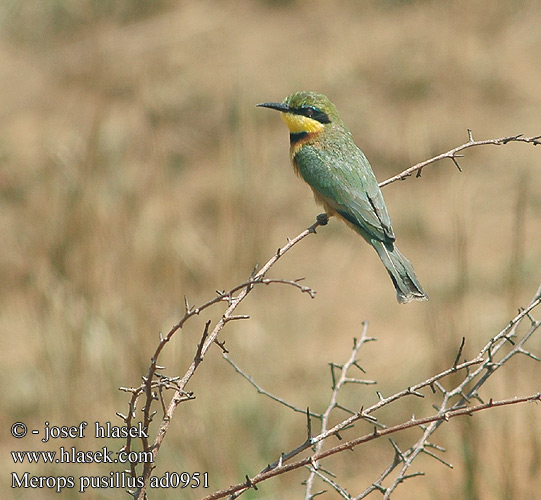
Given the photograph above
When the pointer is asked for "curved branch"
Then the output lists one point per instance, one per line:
(208, 339)
(148, 387)
(349, 445)
(452, 154)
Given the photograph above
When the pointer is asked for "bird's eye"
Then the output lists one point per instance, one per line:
(311, 112)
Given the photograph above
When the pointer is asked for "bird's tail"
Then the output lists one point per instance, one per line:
(401, 272)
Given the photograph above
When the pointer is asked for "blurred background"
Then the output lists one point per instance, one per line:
(135, 169)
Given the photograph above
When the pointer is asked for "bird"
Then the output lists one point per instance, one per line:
(325, 156)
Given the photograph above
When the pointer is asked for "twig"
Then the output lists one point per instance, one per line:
(233, 300)
(260, 390)
(341, 491)
(452, 154)
(459, 353)
(483, 370)
(349, 445)
(337, 385)
(152, 389)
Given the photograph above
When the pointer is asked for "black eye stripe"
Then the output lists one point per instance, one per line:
(312, 112)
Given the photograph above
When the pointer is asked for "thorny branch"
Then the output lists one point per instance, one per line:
(453, 154)
(154, 384)
(485, 365)
(478, 376)
(233, 297)
(349, 445)
(260, 390)
(337, 385)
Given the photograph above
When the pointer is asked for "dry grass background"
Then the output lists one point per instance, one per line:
(135, 169)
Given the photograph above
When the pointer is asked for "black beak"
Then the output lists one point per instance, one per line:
(279, 106)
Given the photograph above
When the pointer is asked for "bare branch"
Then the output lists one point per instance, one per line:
(452, 154)
(349, 445)
(260, 390)
(295, 283)
(466, 390)
(209, 338)
(459, 353)
(154, 384)
(341, 491)
(337, 385)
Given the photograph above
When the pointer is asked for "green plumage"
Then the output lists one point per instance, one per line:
(342, 179)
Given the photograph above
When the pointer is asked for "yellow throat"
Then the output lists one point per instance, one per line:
(300, 123)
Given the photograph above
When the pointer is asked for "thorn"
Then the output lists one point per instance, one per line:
(470, 136)
(249, 483)
(308, 424)
(439, 459)
(436, 447)
(466, 398)
(408, 476)
(398, 451)
(459, 354)
(355, 363)
(235, 317)
(333, 376)
(509, 139)
(328, 472)
(530, 355)
(370, 418)
(415, 393)
(222, 346)
(343, 408)
(417, 175)
(198, 355)
(456, 164)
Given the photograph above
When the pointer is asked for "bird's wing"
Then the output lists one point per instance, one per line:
(346, 182)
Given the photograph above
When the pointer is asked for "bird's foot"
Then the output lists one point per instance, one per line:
(322, 219)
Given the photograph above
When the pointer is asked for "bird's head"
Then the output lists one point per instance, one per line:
(306, 112)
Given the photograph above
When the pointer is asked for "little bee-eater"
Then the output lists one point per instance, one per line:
(324, 154)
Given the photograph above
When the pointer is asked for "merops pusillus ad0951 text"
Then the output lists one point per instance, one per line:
(324, 154)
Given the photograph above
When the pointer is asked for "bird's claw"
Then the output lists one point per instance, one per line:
(322, 219)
